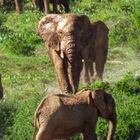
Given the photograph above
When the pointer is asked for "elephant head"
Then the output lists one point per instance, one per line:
(1, 88)
(105, 105)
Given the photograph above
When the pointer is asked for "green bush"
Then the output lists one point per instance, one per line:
(7, 112)
(22, 43)
(128, 85)
(22, 128)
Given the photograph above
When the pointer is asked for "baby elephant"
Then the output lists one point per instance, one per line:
(1, 88)
(61, 116)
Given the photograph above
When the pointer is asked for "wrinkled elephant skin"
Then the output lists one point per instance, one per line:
(62, 116)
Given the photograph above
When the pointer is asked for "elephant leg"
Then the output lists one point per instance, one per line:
(46, 6)
(89, 133)
(55, 7)
(91, 71)
(99, 65)
(19, 6)
(85, 73)
(90, 136)
(74, 70)
(61, 7)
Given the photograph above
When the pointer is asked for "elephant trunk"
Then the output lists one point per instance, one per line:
(74, 66)
(112, 127)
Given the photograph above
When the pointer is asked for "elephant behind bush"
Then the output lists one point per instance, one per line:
(74, 43)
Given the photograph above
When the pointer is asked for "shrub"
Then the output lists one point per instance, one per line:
(128, 85)
(22, 128)
(7, 112)
(22, 43)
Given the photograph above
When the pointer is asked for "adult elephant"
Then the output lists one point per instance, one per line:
(74, 114)
(1, 88)
(72, 40)
(44, 5)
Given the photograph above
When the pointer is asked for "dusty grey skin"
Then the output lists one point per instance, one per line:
(1, 88)
(45, 4)
(62, 116)
(73, 40)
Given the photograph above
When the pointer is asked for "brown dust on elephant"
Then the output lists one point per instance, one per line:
(1, 88)
(61, 116)
(73, 41)
(45, 5)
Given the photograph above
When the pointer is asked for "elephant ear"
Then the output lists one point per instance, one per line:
(99, 101)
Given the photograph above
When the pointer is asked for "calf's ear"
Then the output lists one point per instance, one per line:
(98, 97)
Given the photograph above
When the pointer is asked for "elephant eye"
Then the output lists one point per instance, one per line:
(49, 45)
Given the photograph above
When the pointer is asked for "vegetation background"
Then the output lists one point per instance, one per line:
(28, 74)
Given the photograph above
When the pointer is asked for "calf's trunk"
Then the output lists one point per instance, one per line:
(112, 128)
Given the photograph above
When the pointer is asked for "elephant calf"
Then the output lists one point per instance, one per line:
(1, 88)
(62, 116)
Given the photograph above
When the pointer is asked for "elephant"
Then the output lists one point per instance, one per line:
(44, 4)
(97, 54)
(60, 116)
(74, 43)
(1, 88)
(19, 6)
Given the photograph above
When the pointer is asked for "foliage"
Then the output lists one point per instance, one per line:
(24, 43)
(22, 127)
(128, 85)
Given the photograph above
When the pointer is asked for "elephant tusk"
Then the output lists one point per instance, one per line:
(62, 54)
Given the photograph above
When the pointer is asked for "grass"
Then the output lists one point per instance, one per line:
(28, 74)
